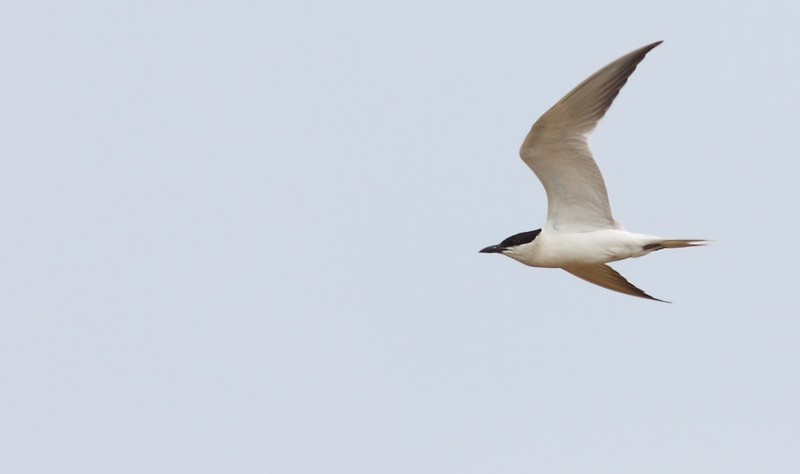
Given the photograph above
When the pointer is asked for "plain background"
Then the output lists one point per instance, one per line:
(243, 237)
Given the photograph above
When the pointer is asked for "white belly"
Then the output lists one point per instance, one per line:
(557, 249)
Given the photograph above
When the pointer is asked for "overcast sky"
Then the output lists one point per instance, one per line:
(243, 237)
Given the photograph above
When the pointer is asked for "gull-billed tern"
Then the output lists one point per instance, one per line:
(580, 234)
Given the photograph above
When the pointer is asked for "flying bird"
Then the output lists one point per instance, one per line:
(580, 234)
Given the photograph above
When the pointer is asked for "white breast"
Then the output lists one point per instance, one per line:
(556, 249)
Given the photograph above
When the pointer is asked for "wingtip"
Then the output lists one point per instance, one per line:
(659, 300)
(646, 49)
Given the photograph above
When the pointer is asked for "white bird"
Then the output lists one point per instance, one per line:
(580, 234)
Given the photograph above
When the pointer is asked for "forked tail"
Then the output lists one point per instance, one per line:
(675, 244)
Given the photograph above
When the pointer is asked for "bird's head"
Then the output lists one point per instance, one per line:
(509, 246)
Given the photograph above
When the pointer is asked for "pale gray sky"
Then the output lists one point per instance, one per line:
(243, 237)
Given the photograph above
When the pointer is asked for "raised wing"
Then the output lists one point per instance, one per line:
(605, 276)
(557, 149)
